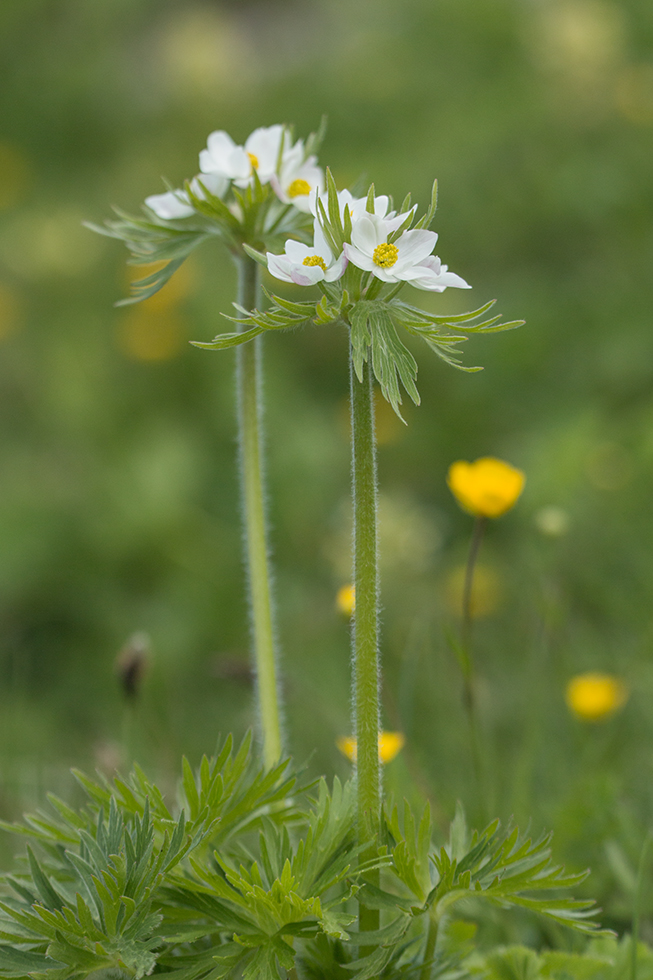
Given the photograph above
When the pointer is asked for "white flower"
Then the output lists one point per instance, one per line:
(261, 153)
(299, 178)
(408, 259)
(224, 158)
(306, 266)
(176, 204)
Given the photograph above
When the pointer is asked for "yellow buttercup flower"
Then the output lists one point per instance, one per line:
(390, 745)
(594, 696)
(346, 600)
(486, 488)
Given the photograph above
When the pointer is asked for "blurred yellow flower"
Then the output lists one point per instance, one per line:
(390, 745)
(486, 488)
(145, 334)
(487, 591)
(594, 696)
(346, 600)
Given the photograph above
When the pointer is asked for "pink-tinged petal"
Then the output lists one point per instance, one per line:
(358, 258)
(297, 251)
(170, 206)
(337, 269)
(279, 266)
(307, 275)
(367, 232)
(414, 246)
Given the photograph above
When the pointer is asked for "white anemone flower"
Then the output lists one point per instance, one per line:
(176, 204)
(261, 153)
(298, 179)
(306, 265)
(407, 259)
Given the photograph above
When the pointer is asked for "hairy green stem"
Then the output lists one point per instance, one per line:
(469, 680)
(248, 385)
(365, 630)
(429, 949)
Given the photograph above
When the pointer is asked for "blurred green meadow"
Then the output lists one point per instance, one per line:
(118, 494)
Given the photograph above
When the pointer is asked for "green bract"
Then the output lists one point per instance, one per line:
(368, 307)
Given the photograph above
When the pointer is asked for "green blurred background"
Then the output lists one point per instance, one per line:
(118, 495)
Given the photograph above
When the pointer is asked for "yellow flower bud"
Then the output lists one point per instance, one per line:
(486, 488)
(594, 696)
(346, 600)
(390, 745)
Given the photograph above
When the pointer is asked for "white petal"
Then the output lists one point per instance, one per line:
(220, 144)
(207, 163)
(367, 232)
(432, 276)
(414, 246)
(297, 251)
(169, 206)
(238, 165)
(279, 266)
(265, 143)
(337, 269)
(358, 258)
(320, 246)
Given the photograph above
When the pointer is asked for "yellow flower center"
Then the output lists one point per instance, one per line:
(385, 255)
(299, 188)
(487, 488)
(594, 696)
(253, 159)
(315, 260)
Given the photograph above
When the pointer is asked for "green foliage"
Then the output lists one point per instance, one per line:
(246, 876)
(502, 868)
(604, 958)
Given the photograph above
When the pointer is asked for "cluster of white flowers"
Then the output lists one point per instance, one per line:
(268, 151)
(407, 258)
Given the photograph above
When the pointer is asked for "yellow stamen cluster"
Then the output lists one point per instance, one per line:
(385, 255)
(390, 745)
(315, 260)
(487, 488)
(253, 159)
(299, 188)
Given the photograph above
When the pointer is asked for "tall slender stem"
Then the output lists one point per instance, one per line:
(365, 632)
(248, 385)
(469, 680)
